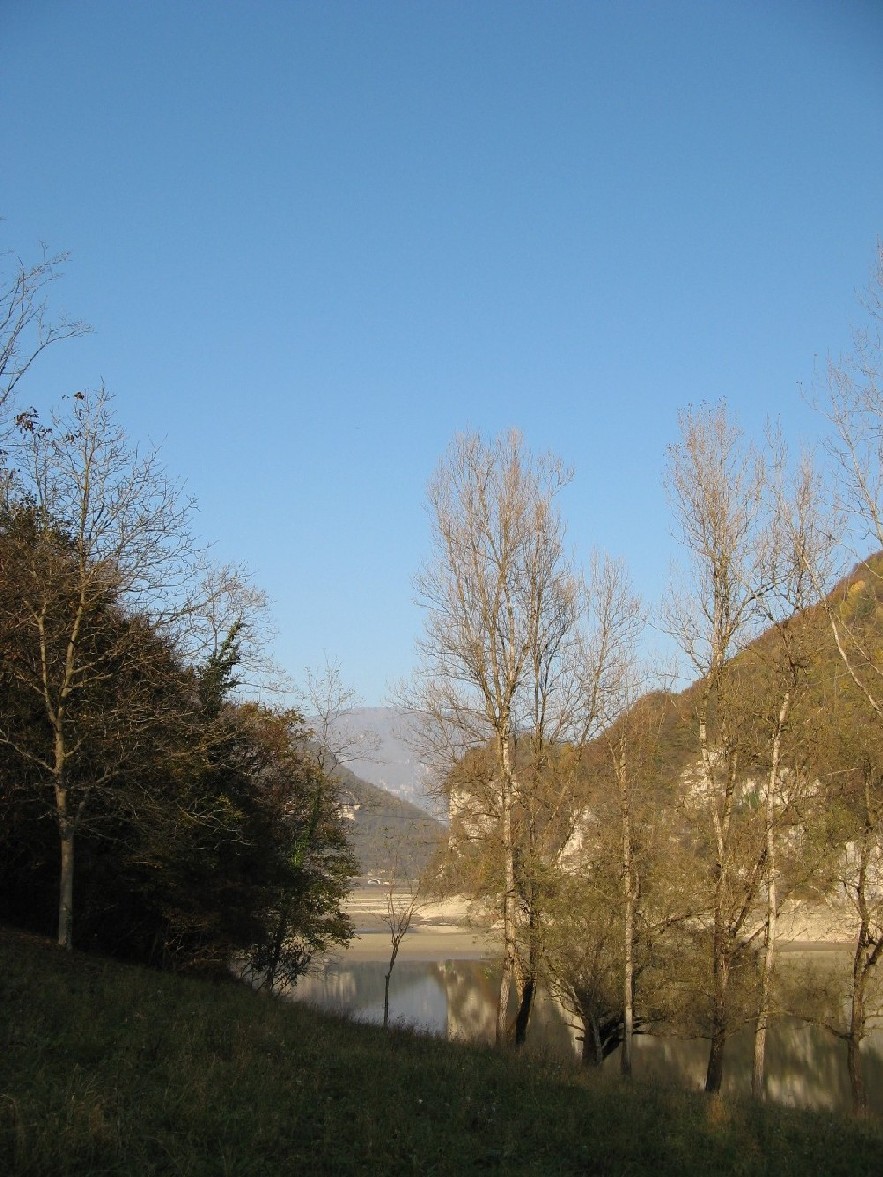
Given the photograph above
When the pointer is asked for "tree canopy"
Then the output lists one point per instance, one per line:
(146, 806)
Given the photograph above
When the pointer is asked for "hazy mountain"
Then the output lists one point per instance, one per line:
(381, 752)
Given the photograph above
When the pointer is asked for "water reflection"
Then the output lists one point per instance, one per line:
(806, 1065)
(453, 998)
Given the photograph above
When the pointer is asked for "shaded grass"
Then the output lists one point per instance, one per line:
(108, 1069)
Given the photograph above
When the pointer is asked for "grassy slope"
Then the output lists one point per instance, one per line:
(110, 1069)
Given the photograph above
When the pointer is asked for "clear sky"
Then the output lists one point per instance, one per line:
(317, 239)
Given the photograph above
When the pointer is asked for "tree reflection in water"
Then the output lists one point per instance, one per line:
(458, 999)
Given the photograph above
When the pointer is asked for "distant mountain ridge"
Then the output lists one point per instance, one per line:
(389, 761)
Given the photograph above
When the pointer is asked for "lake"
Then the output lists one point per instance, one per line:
(456, 998)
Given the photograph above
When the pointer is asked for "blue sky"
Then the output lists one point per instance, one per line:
(317, 239)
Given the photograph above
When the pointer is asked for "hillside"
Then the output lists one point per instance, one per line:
(671, 717)
(398, 799)
(387, 833)
(107, 1068)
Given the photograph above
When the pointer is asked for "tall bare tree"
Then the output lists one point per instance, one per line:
(795, 550)
(328, 702)
(849, 827)
(500, 606)
(517, 656)
(627, 744)
(405, 897)
(716, 482)
(574, 695)
(853, 404)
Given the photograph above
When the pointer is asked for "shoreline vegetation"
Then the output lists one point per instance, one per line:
(117, 1069)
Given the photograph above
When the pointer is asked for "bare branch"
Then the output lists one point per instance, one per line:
(26, 328)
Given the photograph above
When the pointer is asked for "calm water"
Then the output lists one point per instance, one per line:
(806, 1065)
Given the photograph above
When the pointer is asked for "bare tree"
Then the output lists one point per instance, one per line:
(326, 701)
(716, 483)
(26, 328)
(215, 601)
(795, 547)
(518, 657)
(853, 406)
(499, 600)
(404, 899)
(577, 688)
(849, 751)
(627, 746)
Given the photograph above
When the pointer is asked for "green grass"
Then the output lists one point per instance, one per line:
(106, 1069)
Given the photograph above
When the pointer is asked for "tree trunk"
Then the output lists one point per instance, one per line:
(386, 999)
(758, 1074)
(66, 870)
(522, 1018)
(527, 982)
(509, 945)
(66, 829)
(722, 940)
(720, 821)
(863, 960)
(276, 950)
(396, 940)
(592, 1054)
(715, 1072)
(860, 968)
(66, 887)
(628, 988)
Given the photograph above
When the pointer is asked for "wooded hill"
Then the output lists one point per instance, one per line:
(667, 720)
(390, 837)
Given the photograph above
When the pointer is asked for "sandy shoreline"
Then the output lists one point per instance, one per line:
(442, 931)
(439, 930)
